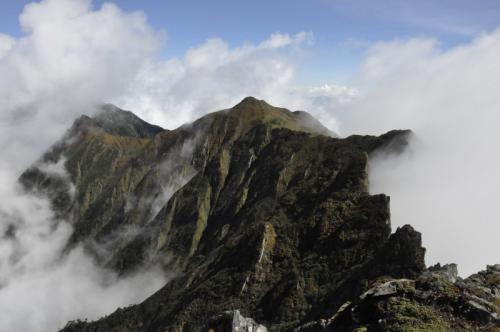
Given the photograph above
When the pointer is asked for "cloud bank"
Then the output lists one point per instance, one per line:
(70, 58)
(214, 75)
(448, 183)
(40, 290)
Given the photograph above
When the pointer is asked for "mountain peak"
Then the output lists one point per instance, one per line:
(252, 104)
(116, 121)
(251, 112)
(250, 100)
(124, 123)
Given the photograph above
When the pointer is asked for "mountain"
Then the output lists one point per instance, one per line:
(264, 216)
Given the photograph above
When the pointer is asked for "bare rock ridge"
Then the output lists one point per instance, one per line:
(266, 218)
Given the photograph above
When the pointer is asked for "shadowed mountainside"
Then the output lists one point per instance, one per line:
(259, 211)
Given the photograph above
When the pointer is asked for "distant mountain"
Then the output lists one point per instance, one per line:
(262, 213)
(122, 123)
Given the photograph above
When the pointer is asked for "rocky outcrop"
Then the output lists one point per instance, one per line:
(437, 300)
(233, 321)
(258, 210)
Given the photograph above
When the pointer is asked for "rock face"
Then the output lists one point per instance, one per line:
(258, 210)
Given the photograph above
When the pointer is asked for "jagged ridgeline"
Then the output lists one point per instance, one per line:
(262, 213)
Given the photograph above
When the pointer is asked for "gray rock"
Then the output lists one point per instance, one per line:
(482, 313)
(448, 271)
(493, 268)
(233, 321)
(387, 288)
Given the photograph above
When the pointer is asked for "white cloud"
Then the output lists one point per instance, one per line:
(6, 43)
(448, 184)
(279, 40)
(214, 75)
(210, 77)
(324, 102)
(70, 58)
(40, 290)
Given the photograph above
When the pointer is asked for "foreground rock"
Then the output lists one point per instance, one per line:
(260, 213)
(435, 301)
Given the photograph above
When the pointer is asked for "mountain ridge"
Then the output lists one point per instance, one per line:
(258, 211)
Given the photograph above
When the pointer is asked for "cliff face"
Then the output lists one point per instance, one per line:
(257, 210)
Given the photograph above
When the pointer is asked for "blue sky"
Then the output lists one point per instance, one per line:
(342, 29)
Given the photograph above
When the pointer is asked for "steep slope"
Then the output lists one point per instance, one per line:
(124, 172)
(260, 214)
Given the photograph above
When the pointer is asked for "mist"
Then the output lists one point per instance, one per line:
(447, 183)
(40, 289)
(70, 58)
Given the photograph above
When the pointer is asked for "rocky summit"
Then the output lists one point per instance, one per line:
(265, 218)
